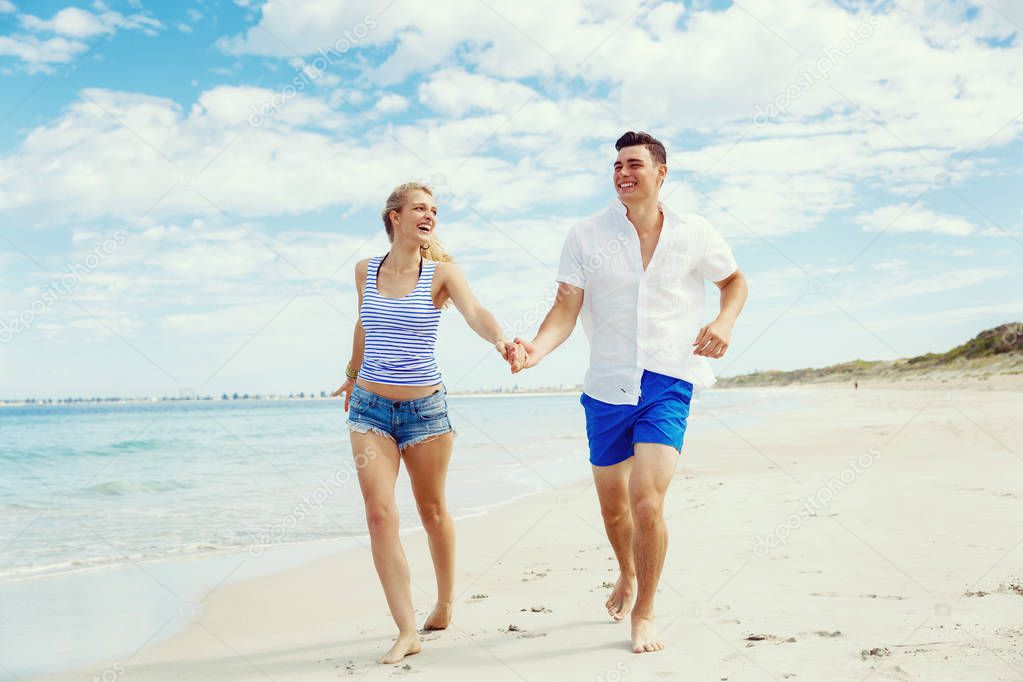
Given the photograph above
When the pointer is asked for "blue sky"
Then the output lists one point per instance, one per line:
(185, 187)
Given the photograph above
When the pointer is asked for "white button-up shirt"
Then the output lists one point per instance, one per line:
(638, 320)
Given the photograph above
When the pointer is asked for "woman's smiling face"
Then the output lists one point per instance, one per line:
(417, 219)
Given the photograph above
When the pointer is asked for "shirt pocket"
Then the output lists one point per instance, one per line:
(676, 266)
(673, 280)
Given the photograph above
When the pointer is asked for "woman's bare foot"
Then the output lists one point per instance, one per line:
(407, 645)
(622, 598)
(440, 618)
(644, 635)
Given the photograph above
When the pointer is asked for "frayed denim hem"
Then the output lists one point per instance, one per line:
(355, 427)
(426, 437)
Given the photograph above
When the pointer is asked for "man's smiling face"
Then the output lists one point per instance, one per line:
(637, 177)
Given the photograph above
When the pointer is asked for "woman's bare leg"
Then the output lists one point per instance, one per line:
(377, 460)
(427, 465)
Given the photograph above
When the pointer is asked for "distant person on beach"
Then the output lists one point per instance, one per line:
(636, 271)
(397, 404)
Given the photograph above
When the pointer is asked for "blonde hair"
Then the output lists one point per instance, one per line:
(395, 202)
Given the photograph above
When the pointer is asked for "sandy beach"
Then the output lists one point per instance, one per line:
(873, 534)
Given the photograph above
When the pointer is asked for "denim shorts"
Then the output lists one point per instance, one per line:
(406, 422)
(660, 417)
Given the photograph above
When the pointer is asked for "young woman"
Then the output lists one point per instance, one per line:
(396, 401)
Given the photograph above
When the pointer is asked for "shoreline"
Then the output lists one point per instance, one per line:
(267, 399)
(70, 567)
(862, 574)
(296, 546)
(206, 573)
(975, 378)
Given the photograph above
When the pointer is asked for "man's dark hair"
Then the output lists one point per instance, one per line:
(653, 145)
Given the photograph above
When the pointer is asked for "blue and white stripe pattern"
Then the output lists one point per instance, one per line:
(400, 332)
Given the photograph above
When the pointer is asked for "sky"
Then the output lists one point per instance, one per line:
(185, 187)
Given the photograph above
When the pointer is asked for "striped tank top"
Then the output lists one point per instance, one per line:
(400, 332)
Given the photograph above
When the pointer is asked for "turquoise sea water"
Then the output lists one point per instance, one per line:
(93, 485)
(114, 515)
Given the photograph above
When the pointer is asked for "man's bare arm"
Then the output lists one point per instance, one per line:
(557, 326)
(714, 338)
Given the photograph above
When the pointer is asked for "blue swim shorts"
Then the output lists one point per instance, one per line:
(407, 422)
(660, 417)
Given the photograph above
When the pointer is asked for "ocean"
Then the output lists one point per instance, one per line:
(89, 485)
(119, 499)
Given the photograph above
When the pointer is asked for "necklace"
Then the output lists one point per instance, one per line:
(380, 264)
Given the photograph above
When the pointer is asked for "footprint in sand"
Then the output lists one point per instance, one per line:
(404, 670)
(750, 639)
(881, 596)
(521, 633)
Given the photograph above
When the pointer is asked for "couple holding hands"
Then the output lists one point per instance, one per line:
(635, 273)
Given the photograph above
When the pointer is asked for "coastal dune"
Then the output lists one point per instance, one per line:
(871, 534)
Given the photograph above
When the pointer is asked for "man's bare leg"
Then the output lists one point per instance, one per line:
(612, 483)
(653, 466)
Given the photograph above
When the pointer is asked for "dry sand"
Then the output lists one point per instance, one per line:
(910, 566)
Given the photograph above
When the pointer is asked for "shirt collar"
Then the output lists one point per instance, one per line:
(670, 217)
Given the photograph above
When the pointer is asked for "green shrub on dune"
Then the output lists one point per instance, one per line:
(994, 351)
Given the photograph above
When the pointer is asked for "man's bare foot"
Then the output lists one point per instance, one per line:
(622, 598)
(440, 618)
(644, 635)
(407, 645)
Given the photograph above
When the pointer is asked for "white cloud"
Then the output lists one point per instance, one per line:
(1001, 233)
(6, 7)
(454, 92)
(506, 108)
(390, 103)
(38, 53)
(72, 27)
(115, 153)
(70, 21)
(891, 265)
(79, 23)
(913, 218)
(917, 90)
(878, 291)
(907, 72)
(998, 311)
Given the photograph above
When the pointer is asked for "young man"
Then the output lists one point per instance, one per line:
(636, 271)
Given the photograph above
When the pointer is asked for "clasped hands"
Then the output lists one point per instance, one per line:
(518, 354)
